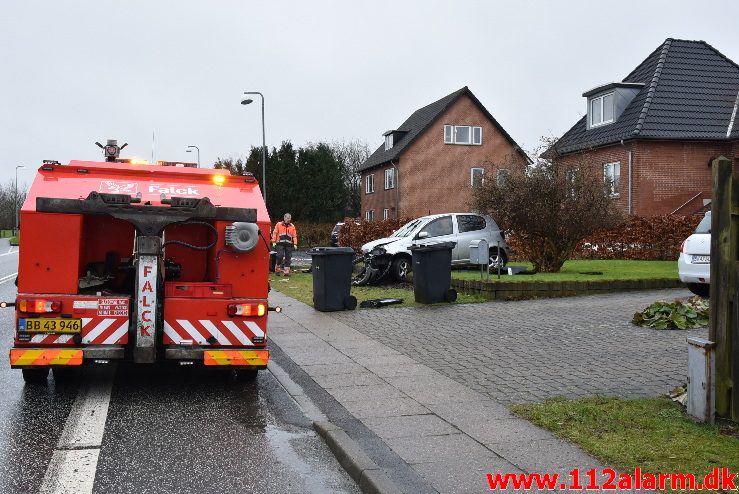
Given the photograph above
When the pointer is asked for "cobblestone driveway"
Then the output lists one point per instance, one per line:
(528, 351)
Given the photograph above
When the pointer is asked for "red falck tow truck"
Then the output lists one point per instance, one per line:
(141, 263)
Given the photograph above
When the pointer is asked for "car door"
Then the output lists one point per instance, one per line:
(438, 230)
(470, 227)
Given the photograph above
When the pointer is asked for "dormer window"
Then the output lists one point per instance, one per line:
(388, 141)
(601, 110)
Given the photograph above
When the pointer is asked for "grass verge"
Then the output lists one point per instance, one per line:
(573, 271)
(652, 434)
(300, 286)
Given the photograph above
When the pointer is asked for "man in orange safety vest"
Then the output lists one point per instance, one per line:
(285, 239)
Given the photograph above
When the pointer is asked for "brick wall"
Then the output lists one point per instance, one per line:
(665, 174)
(434, 177)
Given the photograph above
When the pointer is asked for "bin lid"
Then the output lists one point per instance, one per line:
(330, 251)
(431, 247)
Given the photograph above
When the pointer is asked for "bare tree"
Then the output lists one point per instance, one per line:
(9, 201)
(352, 155)
(551, 205)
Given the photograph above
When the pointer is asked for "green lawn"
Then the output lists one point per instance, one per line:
(300, 286)
(571, 271)
(653, 434)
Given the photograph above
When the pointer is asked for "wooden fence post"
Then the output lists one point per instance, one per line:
(724, 321)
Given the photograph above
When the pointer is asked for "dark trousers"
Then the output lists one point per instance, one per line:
(284, 255)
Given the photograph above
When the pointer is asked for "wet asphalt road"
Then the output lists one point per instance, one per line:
(167, 429)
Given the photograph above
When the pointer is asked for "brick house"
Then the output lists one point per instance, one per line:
(431, 162)
(654, 134)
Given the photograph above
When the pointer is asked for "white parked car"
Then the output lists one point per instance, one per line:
(694, 263)
(461, 228)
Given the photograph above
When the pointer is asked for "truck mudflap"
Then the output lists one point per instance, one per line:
(34, 357)
(237, 358)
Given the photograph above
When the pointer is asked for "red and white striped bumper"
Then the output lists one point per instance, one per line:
(208, 332)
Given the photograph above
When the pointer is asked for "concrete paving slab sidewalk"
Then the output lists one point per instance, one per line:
(450, 434)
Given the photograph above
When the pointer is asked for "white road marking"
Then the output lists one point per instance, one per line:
(11, 251)
(7, 278)
(74, 462)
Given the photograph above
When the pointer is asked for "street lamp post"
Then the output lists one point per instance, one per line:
(15, 199)
(264, 145)
(190, 151)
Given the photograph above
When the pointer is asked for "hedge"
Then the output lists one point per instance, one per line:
(354, 234)
(655, 238)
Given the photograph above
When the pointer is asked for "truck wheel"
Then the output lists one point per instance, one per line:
(63, 374)
(401, 268)
(246, 374)
(36, 376)
(700, 289)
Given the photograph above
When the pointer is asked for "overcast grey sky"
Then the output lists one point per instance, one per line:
(73, 72)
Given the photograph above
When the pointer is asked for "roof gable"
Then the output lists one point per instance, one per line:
(689, 92)
(420, 121)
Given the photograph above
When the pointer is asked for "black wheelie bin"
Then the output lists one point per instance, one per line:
(332, 278)
(432, 272)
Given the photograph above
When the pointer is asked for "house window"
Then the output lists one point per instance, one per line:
(390, 178)
(477, 177)
(369, 184)
(385, 214)
(388, 141)
(601, 110)
(462, 134)
(612, 177)
(369, 215)
(501, 178)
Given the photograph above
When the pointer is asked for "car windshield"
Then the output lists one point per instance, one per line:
(406, 229)
(337, 228)
(705, 225)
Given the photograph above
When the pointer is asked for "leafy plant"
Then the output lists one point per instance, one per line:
(689, 314)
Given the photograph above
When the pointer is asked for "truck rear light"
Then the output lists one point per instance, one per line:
(247, 310)
(39, 306)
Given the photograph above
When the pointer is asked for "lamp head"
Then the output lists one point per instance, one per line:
(246, 101)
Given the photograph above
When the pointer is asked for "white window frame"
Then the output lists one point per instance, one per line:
(472, 176)
(609, 173)
(369, 215)
(388, 141)
(386, 214)
(450, 135)
(389, 178)
(600, 98)
(369, 183)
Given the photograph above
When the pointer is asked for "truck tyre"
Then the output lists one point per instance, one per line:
(36, 376)
(700, 289)
(401, 267)
(63, 374)
(246, 374)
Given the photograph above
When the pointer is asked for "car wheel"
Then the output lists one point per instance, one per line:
(700, 289)
(497, 259)
(361, 273)
(36, 376)
(401, 268)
